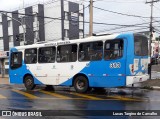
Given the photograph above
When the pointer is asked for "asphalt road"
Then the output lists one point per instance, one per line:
(15, 97)
(71, 104)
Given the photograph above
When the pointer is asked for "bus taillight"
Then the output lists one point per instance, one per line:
(132, 68)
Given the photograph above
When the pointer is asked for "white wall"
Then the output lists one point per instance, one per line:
(1, 45)
(11, 45)
(22, 11)
(66, 7)
(52, 27)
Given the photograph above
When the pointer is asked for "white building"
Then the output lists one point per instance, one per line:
(42, 22)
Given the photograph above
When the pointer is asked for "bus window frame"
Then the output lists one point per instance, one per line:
(47, 47)
(141, 54)
(36, 55)
(90, 60)
(66, 61)
(14, 65)
(118, 39)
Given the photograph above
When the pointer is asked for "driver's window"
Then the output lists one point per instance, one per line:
(16, 60)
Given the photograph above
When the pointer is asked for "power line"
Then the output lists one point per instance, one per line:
(128, 1)
(97, 23)
(133, 30)
(118, 28)
(122, 13)
(60, 18)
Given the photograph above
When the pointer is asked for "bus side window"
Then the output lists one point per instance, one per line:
(67, 53)
(90, 51)
(113, 49)
(30, 56)
(46, 55)
(16, 60)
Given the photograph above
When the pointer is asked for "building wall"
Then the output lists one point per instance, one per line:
(73, 20)
(53, 26)
(41, 23)
(5, 32)
(29, 27)
(16, 28)
(1, 35)
(56, 20)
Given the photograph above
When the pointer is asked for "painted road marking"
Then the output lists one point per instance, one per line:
(124, 98)
(86, 96)
(2, 97)
(28, 95)
(55, 94)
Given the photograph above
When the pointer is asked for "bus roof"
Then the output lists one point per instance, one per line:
(60, 42)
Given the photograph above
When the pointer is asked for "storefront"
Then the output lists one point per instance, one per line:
(4, 63)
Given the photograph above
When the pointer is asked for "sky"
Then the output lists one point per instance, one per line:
(113, 16)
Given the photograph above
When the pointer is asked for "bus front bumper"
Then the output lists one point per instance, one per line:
(136, 79)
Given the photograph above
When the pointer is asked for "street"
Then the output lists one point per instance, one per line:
(15, 97)
(62, 99)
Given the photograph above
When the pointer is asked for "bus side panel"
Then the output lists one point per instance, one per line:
(101, 74)
(137, 66)
(17, 75)
(106, 73)
(130, 56)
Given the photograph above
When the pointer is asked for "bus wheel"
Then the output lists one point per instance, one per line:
(29, 83)
(81, 84)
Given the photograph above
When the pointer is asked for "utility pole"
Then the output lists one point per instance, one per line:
(151, 35)
(91, 18)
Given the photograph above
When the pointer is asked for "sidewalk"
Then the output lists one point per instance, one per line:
(4, 80)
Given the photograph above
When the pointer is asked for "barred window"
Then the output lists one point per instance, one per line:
(46, 55)
(30, 56)
(113, 49)
(91, 51)
(67, 53)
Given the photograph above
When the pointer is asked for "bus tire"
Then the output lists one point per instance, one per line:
(81, 84)
(29, 83)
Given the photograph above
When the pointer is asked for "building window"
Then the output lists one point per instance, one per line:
(35, 34)
(66, 31)
(74, 18)
(22, 20)
(1, 38)
(21, 37)
(66, 15)
(35, 18)
(9, 23)
(10, 38)
(80, 33)
(81, 14)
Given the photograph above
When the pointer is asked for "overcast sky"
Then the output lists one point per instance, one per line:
(129, 7)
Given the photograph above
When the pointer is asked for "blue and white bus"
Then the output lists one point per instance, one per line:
(94, 62)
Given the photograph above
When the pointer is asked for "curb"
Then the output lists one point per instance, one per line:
(155, 87)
